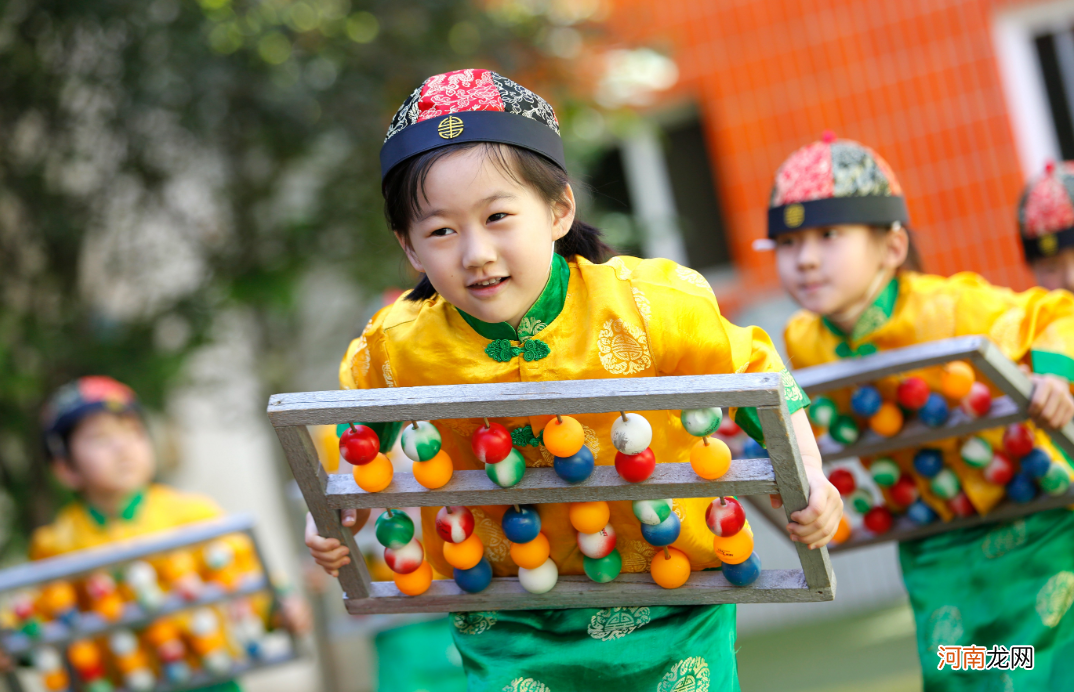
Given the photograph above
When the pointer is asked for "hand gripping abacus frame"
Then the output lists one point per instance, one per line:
(782, 474)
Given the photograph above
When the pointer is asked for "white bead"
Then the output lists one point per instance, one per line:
(539, 579)
(599, 544)
(700, 422)
(633, 435)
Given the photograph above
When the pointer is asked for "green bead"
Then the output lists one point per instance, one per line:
(823, 411)
(844, 430)
(861, 500)
(32, 628)
(603, 570)
(652, 512)
(885, 472)
(507, 472)
(394, 529)
(945, 484)
(701, 422)
(421, 443)
(1055, 481)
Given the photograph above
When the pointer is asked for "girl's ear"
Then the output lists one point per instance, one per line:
(896, 247)
(409, 250)
(563, 214)
(66, 473)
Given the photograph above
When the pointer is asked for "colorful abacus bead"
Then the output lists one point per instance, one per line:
(728, 428)
(359, 445)
(934, 413)
(533, 554)
(476, 578)
(978, 402)
(823, 412)
(734, 550)
(417, 582)
(745, 572)
(913, 393)
(652, 512)
(945, 484)
(928, 462)
(1018, 440)
(976, 452)
(670, 569)
(434, 473)
(635, 468)
(603, 570)
(597, 544)
(905, 491)
(420, 441)
(1056, 481)
(866, 401)
(1036, 463)
(521, 523)
(539, 579)
(961, 506)
(454, 524)
(920, 513)
(1021, 488)
(752, 449)
(957, 379)
(491, 443)
(394, 529)
(563, 436)
(1000, 470)
(710, 458)
(887, 421)
(843, 531)
(375, 475)
(861, 500)
(589, 517)
(631, 433)
(725, 516)
(844, 430)
(576, 467)
(406, 559)
(701, 422)
(885, 472)
(878, 520)
(508, 472)
(664, 533)
(464, 555)
(843, 480)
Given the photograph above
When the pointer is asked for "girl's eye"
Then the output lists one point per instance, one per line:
(441, 232)
(830, 233)
(784, 242)
(496, 217)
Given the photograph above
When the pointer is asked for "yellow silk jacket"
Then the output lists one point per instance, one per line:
(624, 318)
(1035, 328)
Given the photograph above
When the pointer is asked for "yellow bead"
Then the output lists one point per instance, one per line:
(374, 476)
(887, 421)
(589, 517)
(434, 473)
(533, 554)
(712, 460)
(670, 570)
(563, 439)
(417, 582)
(466, 554)
(957, 379)
(735, 549)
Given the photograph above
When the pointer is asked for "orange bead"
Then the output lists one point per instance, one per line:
(670, 570)
(712, 460)
(374, 476)
(84, 654)
(466, 554)
(563, 439)
(957, 379)
(434, 473)
(589, 517)
(110, 607)
(55, 680)
(161, 631)
(417, 582)
(58, 597)
(843, 532)
(735, 549)
(887, 421)
(533, 554)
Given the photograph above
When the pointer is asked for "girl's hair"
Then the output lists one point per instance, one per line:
(404, 188)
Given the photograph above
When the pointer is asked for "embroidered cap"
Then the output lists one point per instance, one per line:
(471, 106)
(76, 400)
(834, 181)
(1046, 212)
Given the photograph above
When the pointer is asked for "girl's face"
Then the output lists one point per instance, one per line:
(484, 239)
(110, 454)
(834, 270)
(1056, 271)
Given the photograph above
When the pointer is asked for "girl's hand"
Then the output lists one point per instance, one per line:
(329, 553)
(816, 524)
(295, 614)
(1050, 405)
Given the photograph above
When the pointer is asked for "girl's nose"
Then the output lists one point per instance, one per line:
(808, 252)
(479, 249)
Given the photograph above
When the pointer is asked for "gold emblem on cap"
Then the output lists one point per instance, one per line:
(450, 127)
(793, 215)
(1048, 245)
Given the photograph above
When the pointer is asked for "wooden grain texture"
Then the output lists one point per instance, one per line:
(311, 479)
(520, 399)
(505, 593)
(542, 485)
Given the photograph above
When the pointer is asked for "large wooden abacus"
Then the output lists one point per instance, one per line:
(782, 474)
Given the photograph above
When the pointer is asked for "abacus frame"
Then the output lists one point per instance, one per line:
(783, 474)
(988, 360)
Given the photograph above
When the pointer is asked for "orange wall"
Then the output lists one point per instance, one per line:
(914, 79)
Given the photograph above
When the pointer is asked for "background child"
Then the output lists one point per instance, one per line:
(1046, 224)
(838, 219)
(477, 193)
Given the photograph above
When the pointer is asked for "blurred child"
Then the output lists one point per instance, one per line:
(1046, 223)
(477, 193)
(838, 220)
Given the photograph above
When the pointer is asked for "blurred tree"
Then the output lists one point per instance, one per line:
(163, 161)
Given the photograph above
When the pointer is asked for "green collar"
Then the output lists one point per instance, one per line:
(126, 513)
(874, 317)
(546, 308)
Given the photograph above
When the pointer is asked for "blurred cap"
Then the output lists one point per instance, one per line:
(1046, 211)
(834, 181)
(75, 400)
(471, 106)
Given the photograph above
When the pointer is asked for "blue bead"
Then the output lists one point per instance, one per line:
(745, 573)
(1036, 463)
(934, 412)
(752, 449)
(928, 462)
(1021, 488)
(575, 468)
(866, 401)
(475, 579)
(664, 533)
(521, 526)
(921, 513)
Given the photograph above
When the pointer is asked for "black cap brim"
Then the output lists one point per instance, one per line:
(872, 210)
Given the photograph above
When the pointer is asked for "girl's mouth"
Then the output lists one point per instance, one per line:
(488, 287)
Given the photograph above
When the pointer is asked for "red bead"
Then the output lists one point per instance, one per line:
(491, 444)
(634, 468)
(904, 491)
(728, 427)
(843, 481)
(962, 507)
(878, 519)
(454, 524)
(1018, 440)
(979, 401)
(913, 393)
(725, 516)
(359, 445)
(1000, 470)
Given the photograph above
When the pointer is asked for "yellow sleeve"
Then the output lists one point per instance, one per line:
(365, 365)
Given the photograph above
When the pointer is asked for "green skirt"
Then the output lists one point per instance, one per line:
(654, 649)
(1007, 584)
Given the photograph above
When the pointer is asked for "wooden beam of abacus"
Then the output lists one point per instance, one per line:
(518, 399)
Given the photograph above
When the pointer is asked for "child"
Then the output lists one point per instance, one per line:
(1046, 223)
(477, 194)
(838, 220)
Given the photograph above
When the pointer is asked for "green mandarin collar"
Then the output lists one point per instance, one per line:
(547, 308)
(874, 317)
(126, 513)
